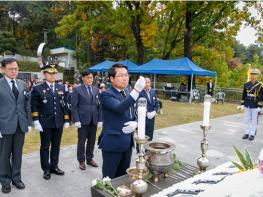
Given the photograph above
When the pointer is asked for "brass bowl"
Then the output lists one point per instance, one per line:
(133, 173)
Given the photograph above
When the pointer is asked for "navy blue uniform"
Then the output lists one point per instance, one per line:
(50, 108)
(251, 99)
(252, 95)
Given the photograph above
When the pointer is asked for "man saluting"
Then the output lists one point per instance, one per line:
(118, 122)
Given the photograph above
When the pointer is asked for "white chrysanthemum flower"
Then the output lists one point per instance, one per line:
(260, 157)
(94, 182)
(106, 179)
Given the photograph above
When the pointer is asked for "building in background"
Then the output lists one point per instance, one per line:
(65, 58)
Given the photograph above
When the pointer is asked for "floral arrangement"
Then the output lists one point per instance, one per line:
(260, 163)
(245, 160)
(105, 185)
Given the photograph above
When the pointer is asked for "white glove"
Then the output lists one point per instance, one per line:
(29, 128)
(130, 127)
(150, 115)
(241, 107)
(66, 125)
(140, 84)
(259, 109)
(100, 124)
(1, 135)
(38, 126)
(77, 124)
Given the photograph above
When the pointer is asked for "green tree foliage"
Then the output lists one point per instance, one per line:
(140, 31)
(7, 42)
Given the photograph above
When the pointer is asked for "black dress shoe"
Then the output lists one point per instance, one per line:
(19, 185)
(251, 138)
(57, 171)
(245, 136)
(6, 189)
(46, 174)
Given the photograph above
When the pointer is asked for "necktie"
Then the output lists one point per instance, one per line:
(89, 90)
(14, 89)
(148, 94)
(52, 88)
(123, 94)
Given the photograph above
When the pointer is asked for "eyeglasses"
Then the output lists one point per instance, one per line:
(12, 69)
(123, 75)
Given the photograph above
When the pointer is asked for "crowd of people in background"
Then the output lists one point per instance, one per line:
(90, 102)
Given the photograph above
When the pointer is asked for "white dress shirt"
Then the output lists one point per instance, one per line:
(10, 83)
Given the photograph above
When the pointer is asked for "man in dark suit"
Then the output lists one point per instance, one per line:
(116, 140)
(50, 113)
(14, 123)
(152, 107)
(87, 115)
(210, 87)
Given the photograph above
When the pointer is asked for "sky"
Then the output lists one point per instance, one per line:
(246, 36)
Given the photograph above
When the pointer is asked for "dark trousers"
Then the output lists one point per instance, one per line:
(50, 136)
(86, 135)
(11, 147)
(115, 164)
(149, 127)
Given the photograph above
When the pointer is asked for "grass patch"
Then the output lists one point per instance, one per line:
(175, 113)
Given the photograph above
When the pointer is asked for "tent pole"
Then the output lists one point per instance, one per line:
(215, 85)
(154, 80)
(190, 99)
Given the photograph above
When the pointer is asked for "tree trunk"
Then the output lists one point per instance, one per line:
(188, 34)
(188, 40)
(136, 29)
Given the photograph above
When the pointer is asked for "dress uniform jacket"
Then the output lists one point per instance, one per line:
(152, 105)
(252, 95)
(49, 108)
(116, 111)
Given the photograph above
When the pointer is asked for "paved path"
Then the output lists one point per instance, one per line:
(224, 133)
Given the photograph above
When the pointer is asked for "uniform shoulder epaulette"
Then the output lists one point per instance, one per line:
(39, 83)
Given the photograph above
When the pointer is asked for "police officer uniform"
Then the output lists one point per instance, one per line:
(49, 108)
(251, 100)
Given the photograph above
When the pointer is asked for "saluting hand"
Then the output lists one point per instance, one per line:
(140, 84)
(138, 87)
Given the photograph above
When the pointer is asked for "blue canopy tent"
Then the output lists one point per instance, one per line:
(181, 66)
(106, 65)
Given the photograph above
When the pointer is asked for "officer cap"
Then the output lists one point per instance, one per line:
(50, 66)
(255, 71)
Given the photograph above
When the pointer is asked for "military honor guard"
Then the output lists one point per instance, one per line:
(50, 113)
(116, 140)
(152, 107)
(87, 115)
(251, 103)
(15, 120)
